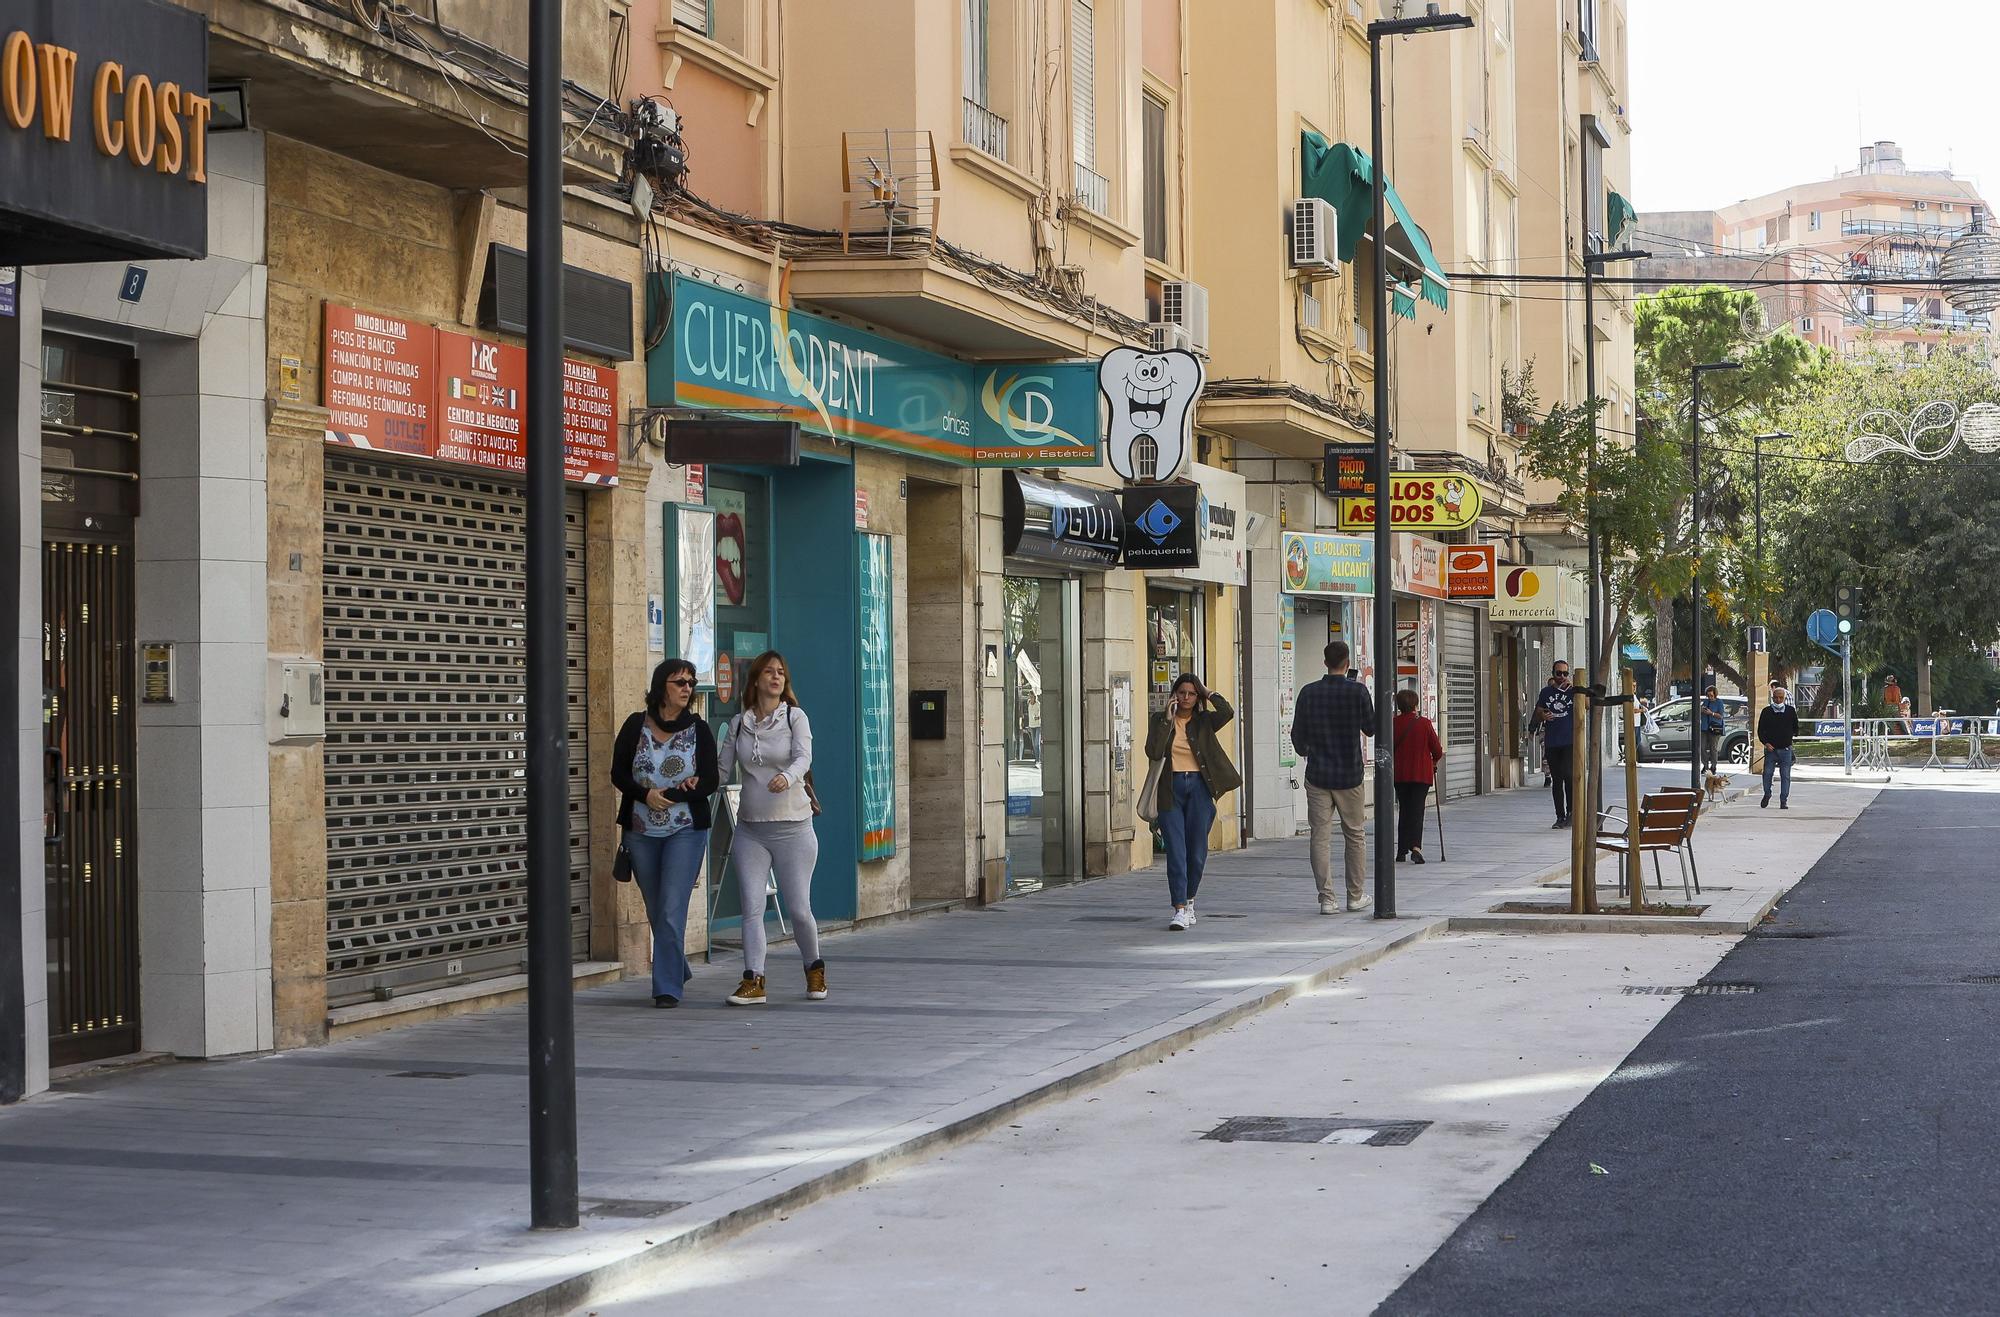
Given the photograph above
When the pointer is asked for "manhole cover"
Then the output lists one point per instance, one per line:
(628, 1209)
(1317, 1129)
(428, 1074)
(1688, 989)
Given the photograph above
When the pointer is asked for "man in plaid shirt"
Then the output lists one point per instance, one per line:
(1333, 714)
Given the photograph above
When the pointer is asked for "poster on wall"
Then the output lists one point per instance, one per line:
(875, 599)
(378, 376)
(1288, 678)
(691, 533)
(1416, 657)
(732, 540)
(1121, 754)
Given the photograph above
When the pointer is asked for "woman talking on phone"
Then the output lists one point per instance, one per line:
(1192, 771)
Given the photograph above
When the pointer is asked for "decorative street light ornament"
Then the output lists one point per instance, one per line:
(1974, 254)
(1978, 427)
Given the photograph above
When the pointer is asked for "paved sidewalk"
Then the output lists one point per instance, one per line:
(386, 1174)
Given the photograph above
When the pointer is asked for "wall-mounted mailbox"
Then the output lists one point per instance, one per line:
(927, 715)
(295, 701)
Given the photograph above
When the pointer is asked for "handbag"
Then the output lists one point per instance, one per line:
(1149, 795)
(621, 867)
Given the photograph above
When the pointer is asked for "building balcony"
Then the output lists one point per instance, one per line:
(1899, 228)
(985, 130)
(1093, 190)
(1954, 321)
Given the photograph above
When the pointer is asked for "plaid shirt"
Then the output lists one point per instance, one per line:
(1327, 726)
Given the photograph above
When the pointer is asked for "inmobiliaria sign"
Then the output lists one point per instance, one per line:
(396, 386)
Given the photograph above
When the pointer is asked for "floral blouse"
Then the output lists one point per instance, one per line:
(663, 765)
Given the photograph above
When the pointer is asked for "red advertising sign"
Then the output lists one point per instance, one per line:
(379, 378)
(590, 423)
(400, 387)
(1470, 570)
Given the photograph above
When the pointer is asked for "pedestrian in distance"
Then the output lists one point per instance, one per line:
(1711, 728)
(1555, 714)
(1777, 728)
(1331, 717)
(1417, 754)
(1196, 773)
(771, 741)
(664, 766)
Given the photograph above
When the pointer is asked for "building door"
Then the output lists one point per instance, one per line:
(426, 750)
(90, 499)
(1043, 731)
(1460, 732)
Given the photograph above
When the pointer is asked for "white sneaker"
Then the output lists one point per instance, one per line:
(1329, 907)
(1179, 923)
(1355, 907)
(1193, 919)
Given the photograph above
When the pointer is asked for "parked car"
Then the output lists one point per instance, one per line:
(1666, 732)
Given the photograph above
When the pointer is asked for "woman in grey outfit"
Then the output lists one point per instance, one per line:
(771, 741)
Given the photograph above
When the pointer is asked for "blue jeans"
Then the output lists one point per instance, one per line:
(1782, 761)
(665, 869)
(1184, 830)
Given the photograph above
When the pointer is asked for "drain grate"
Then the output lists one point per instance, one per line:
(1689, 989)
(429, 1074)
(1317, 1129)
(1985, 980)
(628, 1209)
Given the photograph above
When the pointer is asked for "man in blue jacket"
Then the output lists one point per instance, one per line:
(1555, 714)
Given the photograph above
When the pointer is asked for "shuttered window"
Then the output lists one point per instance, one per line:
(1154, 115)
(694, 14)
(1083, 83)
(978, 53)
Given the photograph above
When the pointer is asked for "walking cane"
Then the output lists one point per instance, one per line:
(1442, 857)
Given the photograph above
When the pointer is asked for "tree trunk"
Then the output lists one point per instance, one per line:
(1722, 667)
(1663, 647)
(1923, 704)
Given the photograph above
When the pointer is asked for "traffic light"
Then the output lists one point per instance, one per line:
(1847, 606)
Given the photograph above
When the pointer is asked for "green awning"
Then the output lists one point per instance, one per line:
(1618, 216)
(1344, 178)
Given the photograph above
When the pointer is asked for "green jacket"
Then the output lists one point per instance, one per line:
(1217, 773)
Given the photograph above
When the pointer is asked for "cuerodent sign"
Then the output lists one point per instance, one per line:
(1151, 396)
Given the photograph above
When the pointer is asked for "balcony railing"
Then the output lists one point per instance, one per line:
(1913, 319)
(1905, 268)
(1903, 228)
(1093, 190)
(985, 130)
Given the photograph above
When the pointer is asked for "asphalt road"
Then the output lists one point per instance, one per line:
(1826, 1144)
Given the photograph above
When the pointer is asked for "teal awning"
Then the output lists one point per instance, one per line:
(1344, 178)
(1618, 216)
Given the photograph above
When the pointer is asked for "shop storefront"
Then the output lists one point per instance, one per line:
(1327, 584)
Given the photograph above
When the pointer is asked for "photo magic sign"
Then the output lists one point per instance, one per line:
(395, 386)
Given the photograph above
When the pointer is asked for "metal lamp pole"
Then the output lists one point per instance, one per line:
(1384, 596)
(1694, 550)
(552, 1159)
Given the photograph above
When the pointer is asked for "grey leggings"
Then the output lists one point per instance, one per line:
(790, 850)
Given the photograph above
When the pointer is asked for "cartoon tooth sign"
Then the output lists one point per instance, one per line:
(1151, 396)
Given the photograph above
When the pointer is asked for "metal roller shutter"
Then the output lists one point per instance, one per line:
(425, 754)
(1461, 692)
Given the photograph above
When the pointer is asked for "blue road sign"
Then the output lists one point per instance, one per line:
(1822, 628)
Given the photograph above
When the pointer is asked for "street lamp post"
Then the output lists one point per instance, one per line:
(1384, 596)
(1694, 553)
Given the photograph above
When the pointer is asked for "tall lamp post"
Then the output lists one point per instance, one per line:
(1694, 550)
(1385, 600)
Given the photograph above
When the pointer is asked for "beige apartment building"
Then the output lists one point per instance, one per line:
(1881, 229)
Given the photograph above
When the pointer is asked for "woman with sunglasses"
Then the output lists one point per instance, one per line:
(772, 743)
(664, 766)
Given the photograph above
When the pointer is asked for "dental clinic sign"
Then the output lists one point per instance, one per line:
(729, 352)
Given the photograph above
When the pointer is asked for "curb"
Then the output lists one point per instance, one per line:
(958, 1124)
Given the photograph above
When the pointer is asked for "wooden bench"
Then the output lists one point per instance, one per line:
(1666, 823)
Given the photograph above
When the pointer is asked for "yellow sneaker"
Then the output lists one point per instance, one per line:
(816, 981)
(750, 992)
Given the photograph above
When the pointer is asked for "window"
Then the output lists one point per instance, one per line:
(1586, 28)
(1083, 84)
(1812, 220)
(1805, 324)
(1153, 114)
(1475, 213)
(978, 53)
(694, 14)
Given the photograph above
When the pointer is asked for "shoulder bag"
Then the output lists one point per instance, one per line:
(1149, 794)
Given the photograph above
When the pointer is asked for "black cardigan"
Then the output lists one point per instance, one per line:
(708, 774)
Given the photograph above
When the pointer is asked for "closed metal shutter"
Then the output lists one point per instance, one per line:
(1461, 693)
(425, 601)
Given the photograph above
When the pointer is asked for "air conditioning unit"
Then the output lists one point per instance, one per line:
(1923, 205)
(1314, 232)
(1185, 303)
(1166, 337)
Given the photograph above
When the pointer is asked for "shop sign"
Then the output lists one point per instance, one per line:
(1225, 527)
(1469, 571)
(1061, 522)
(1149, 398)
(10, 279)
(1417, 567)
(736, 353)
(1328, 564)
(861, 509)
(104, 131)
(1349, 471)
(1418, 503)
(393, 385)
(1164, 526)
(1548, 596)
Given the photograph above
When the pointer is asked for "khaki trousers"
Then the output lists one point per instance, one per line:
(1352, 806)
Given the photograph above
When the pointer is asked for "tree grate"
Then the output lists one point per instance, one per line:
(628, 1209)
(1317, 1129)
(1689, 989)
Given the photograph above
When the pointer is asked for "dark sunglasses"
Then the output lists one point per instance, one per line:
(680, 681)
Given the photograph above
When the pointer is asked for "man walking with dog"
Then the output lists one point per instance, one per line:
(1777, 728)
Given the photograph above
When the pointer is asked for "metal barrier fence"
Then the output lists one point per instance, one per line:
(1872, 737)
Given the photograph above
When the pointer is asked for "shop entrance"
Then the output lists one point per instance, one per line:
(1043, 731)
(90, 500)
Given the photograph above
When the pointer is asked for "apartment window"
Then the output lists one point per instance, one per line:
(1475, 213)
(1153, 116)
(1083, 83)
(978, 53)
(1586, 28)
(1805, 324)
(1812, 220)
(696, 15)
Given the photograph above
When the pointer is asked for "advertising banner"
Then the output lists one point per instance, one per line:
(378, 375)
(1417, 503)
(876, 597)
(1061, 522)
(1418, 567)
(1547, 596)
(1225, 527)
(732, 352)
(1349, 471)
(1164, 526)
(1328, 564)
(1470, 571)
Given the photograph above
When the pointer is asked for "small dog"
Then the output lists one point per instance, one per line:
(1717, 784)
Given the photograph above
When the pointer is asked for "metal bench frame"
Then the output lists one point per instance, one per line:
(1675, 833)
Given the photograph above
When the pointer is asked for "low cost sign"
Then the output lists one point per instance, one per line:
(1418, 503)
